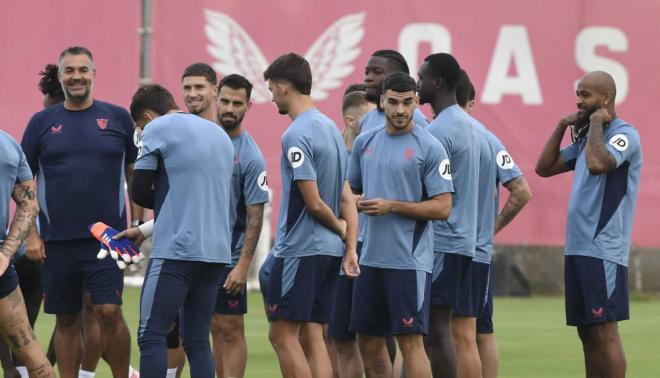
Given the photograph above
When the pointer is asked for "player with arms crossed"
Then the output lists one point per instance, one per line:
(404, 178)
(606, 156)
(308, 248)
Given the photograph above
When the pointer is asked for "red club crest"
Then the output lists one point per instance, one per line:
(102, 122)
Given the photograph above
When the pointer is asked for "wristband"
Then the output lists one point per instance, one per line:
(136, 222)
(147, 229)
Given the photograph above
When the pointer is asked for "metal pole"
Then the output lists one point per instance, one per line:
(145, 42)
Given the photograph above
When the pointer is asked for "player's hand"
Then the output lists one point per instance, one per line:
(34, 248)
(342, 229)
(133, 234)
(375, 207)
(570, 119)
(600, 116)
(124, 251)
(236, 279)
(350, 264)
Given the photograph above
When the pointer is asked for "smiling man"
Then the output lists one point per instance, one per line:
(82, 151)
(199, 90)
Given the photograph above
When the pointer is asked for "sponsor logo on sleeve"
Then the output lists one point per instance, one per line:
(296, 157)
(262, 181)
(445, 169)
(504, 160)
(619, 142)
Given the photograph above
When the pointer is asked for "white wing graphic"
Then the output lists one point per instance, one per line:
(235, 52)
(330, 57)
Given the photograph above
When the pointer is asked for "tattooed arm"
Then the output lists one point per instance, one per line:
(599, 159)
(27, 209)
(237, 278)
(519, 195)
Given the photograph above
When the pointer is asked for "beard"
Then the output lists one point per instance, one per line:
(581, 126)
(229, 123)
(397, 122)
(78, 97)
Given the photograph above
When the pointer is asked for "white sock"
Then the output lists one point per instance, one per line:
(171, 373)
(85, 374)
(22, 371)
(132, 371)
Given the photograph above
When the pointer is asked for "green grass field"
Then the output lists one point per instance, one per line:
(532, 338)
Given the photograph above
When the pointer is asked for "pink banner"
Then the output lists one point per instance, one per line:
(35, 33)
(523, 59)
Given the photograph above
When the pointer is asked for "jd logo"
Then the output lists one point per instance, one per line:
(504, 160)
(330, 57)
(262, 181)
(445, 169)
(296, 157)
(619, 142)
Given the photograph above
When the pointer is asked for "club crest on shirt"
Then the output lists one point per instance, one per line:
(619, 142)
(56, 129)
(262, 181)
(445, 169)
(408, 153)
(102, 122)
(296, 157)
(504, 160)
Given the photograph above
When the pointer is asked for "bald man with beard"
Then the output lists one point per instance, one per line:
(606, 156)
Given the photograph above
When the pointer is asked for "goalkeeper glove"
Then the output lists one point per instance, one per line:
(124, 251)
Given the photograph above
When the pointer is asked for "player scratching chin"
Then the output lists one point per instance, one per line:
(606, 157)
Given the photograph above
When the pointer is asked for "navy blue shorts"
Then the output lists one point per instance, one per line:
(473, 291)
(264, 274)
(8, 281)
(72, 265)
(227, 304)
(303, 288)
(390, 302)
(449, 271)
(596, 291)
(341, 320)
(485, 319)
